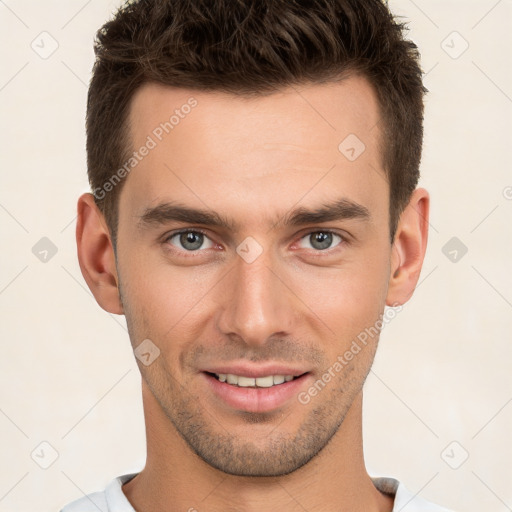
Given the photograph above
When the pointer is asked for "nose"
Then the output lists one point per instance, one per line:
(257, 303)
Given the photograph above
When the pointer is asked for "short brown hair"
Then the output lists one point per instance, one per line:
(253, 47)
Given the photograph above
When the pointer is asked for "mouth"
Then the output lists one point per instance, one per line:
(266, 381)
(264, 393)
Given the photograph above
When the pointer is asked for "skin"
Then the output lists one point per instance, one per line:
(253, 161)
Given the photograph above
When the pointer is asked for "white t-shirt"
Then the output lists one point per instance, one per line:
(114, 500)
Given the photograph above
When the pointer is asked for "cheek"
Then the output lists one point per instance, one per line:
(167, 292)
(356, 289)
(163, 303)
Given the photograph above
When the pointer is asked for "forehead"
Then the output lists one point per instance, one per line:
(259, 154)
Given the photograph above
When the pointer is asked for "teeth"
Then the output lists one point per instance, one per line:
(278, 379)
(245, 382)
(232, 379)
(260, 382)
(263, 382)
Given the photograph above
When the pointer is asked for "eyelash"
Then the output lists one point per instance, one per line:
(344, 241)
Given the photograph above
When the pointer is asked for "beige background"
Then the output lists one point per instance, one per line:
(442, 374)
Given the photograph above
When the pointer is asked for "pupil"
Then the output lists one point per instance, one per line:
(191, 240)
(324, 239)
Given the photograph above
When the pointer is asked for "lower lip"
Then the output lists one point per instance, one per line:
(256, 399)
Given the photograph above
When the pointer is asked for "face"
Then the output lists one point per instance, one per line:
(249, 244)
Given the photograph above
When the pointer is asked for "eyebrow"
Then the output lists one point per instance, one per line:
(341, 209)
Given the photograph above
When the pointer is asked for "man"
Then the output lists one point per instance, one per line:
(254, 210)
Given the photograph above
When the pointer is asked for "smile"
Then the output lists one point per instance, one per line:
(255, 394)
(250, 382)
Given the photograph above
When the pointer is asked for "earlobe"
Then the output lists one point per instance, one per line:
(409, 248)
(96, 255)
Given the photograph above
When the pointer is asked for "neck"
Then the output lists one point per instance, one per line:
(176, 479)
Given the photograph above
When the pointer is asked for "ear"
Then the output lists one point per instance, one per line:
(96, 255)
(409, 248)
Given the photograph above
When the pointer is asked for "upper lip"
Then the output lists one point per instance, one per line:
(250, 370)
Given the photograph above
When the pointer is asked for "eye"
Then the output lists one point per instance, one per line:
(189, 240)
(320, 240)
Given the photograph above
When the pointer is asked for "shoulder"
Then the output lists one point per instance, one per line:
(405, 500)
(112, 499)
(91, 503)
